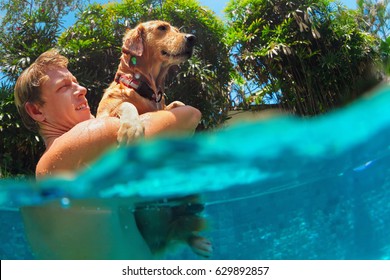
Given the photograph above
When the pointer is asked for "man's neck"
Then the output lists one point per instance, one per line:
(50, 134)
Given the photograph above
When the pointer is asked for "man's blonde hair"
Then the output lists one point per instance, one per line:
(28, 85)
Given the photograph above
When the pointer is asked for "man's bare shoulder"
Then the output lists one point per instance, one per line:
(79, 147)
(93, 130)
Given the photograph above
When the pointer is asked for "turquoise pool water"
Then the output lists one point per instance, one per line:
(284, 188)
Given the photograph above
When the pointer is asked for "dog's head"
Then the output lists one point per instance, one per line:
(158, 41)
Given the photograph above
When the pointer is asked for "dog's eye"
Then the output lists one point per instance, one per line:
(162, 28)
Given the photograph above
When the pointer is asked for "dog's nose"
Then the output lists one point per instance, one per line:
(190, 40)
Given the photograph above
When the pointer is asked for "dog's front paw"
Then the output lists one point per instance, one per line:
(201, 246)
(131, 127)
(130, 131)
(175, 104)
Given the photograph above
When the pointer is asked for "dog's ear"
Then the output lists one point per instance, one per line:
(133, 42)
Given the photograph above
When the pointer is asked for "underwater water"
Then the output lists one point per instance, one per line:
(283, 188)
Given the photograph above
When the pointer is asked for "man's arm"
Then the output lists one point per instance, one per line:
(88, 140)
(177, 121)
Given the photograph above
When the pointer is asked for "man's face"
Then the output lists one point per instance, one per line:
(64, 99)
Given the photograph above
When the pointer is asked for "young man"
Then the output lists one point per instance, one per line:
(50, 101)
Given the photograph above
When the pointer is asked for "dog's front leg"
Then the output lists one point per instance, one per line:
(174, 104)
(131, 127)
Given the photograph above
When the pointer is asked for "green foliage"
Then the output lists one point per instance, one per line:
(20, 147)
(385, 53)
(33, 34)
(204, 80)
(92, 46)
(375, 18)
(27, 29)
(14, 10)
(312, 54)
(30, 37)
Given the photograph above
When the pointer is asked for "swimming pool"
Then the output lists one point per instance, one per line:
(284, 188)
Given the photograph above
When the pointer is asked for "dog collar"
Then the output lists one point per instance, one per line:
(140, 87)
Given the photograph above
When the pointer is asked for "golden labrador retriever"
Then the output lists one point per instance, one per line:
(148, 51)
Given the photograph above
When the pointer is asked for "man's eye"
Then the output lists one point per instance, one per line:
(63, 87)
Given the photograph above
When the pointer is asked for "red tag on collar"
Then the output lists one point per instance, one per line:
(130, 83)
